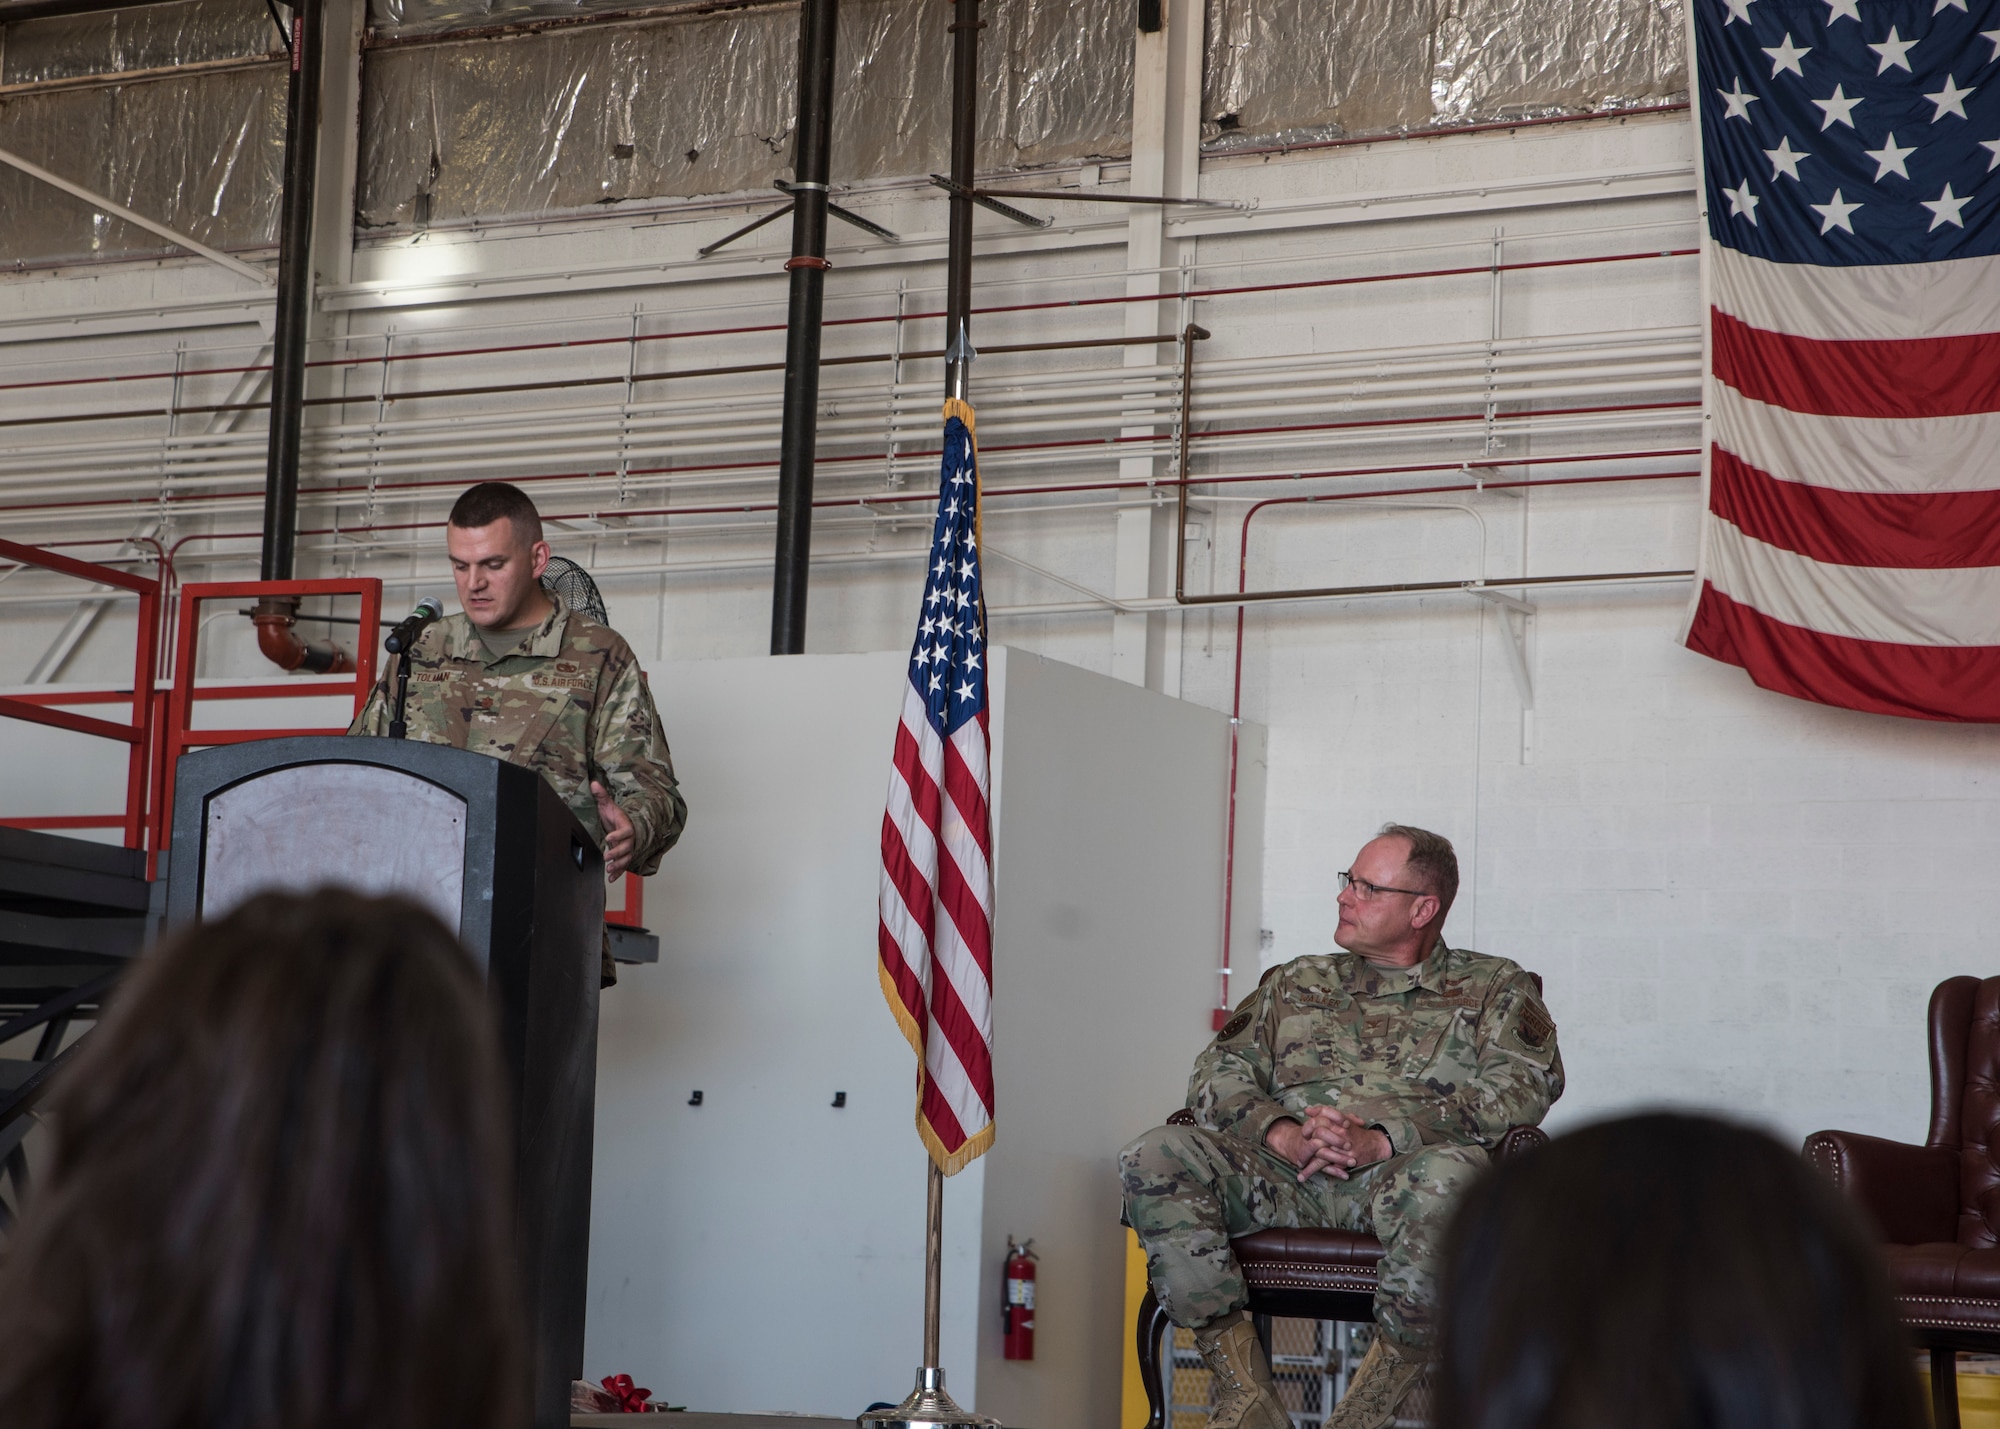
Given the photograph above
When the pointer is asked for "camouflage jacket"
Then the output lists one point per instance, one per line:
(567, 701)
(1455, 1049)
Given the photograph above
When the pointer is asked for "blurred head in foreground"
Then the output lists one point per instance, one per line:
(279, 1191)
(1667, 1272)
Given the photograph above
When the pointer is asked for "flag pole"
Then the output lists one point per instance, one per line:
(933, 1263)
(928, 1405)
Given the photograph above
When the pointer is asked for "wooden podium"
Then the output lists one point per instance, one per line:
(496, 854)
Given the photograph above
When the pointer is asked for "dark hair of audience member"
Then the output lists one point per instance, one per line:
(1667, 1272)
(279, 1191)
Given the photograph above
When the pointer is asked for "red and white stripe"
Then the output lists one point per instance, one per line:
(936, 935)
(1851, 544)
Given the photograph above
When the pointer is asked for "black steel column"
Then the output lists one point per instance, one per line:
(295, 288)
(817, 24)
(965, 28)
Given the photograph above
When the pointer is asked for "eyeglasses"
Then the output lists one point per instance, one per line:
(1365, 890)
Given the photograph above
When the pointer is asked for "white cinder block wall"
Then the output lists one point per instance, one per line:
(1737, 900)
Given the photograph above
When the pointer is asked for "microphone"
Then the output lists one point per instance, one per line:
(412, 625)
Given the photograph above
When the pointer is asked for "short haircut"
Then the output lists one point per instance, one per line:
(1433, 861)
(1666, 1271)
(490, 501)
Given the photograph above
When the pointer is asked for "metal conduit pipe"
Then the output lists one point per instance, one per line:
(349, 449)
(639, 438)
(1606, 378)
(1587, 339)
(191, 507)
(1229, 373)
(865, 504)
(1162, 485)
(1262, 262)
(697, 423)
(189, 504)
(206, 455)
(1102, 386)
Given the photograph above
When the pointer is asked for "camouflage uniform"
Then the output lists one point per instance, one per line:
(567, 701)
(1442, 1057)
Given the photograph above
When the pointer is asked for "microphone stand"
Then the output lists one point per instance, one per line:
(399, 727)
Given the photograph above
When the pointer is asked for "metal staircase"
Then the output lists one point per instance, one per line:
(72, 915)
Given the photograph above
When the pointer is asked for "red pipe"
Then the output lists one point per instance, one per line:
(281, 645)
(1237, 290)
(893, 498)
(1066, 488)
(1221, 1013)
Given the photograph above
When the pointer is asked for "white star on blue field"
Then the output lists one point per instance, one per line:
(1849, 132)
(947, 663)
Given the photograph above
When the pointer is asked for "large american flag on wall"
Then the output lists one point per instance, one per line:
(936, 933)
(1850, 549)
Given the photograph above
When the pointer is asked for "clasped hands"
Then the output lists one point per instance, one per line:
(1329, 1140)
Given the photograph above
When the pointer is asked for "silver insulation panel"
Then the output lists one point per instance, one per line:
(705, 104)
(203, 154)
(119, 41)
(1298, 70)
(562, 119)
(200, 151)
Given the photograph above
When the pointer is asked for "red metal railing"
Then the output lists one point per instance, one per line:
(137, 735)
(178, 733)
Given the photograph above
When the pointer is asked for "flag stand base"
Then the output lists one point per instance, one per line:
(928, 1407)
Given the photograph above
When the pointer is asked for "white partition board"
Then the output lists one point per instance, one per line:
(763, 1251)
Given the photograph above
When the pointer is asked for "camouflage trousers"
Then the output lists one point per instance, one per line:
(1187, 1191)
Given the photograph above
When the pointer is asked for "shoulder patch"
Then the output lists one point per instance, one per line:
(1536, 1028)
(1233, 1026)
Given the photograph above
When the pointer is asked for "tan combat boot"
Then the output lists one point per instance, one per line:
(1245, 1398)
(1382, 1382)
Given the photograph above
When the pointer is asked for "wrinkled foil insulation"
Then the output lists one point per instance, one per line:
(1289, 68)
(149, 37)
(1297, 70)
(1507, 59)
(705, 105)
(203, 154)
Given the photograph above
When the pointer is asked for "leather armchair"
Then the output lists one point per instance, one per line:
(1293, 1274)
(1937, 1206)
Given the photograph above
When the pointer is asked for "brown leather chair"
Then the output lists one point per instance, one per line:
(1938, 1205)
(1293, 1274)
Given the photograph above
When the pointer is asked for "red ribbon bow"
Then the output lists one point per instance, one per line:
(631, 1399)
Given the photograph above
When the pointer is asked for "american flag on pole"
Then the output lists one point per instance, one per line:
(936, 933)
(1850, 549)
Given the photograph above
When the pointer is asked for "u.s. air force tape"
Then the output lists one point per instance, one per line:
(1233, 1026)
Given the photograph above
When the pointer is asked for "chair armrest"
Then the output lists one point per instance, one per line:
(1911, 1191)
(1517, 1140)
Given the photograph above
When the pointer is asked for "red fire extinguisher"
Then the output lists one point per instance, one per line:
(1017, 1308)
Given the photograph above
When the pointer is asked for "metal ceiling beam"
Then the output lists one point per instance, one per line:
(100, 202)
